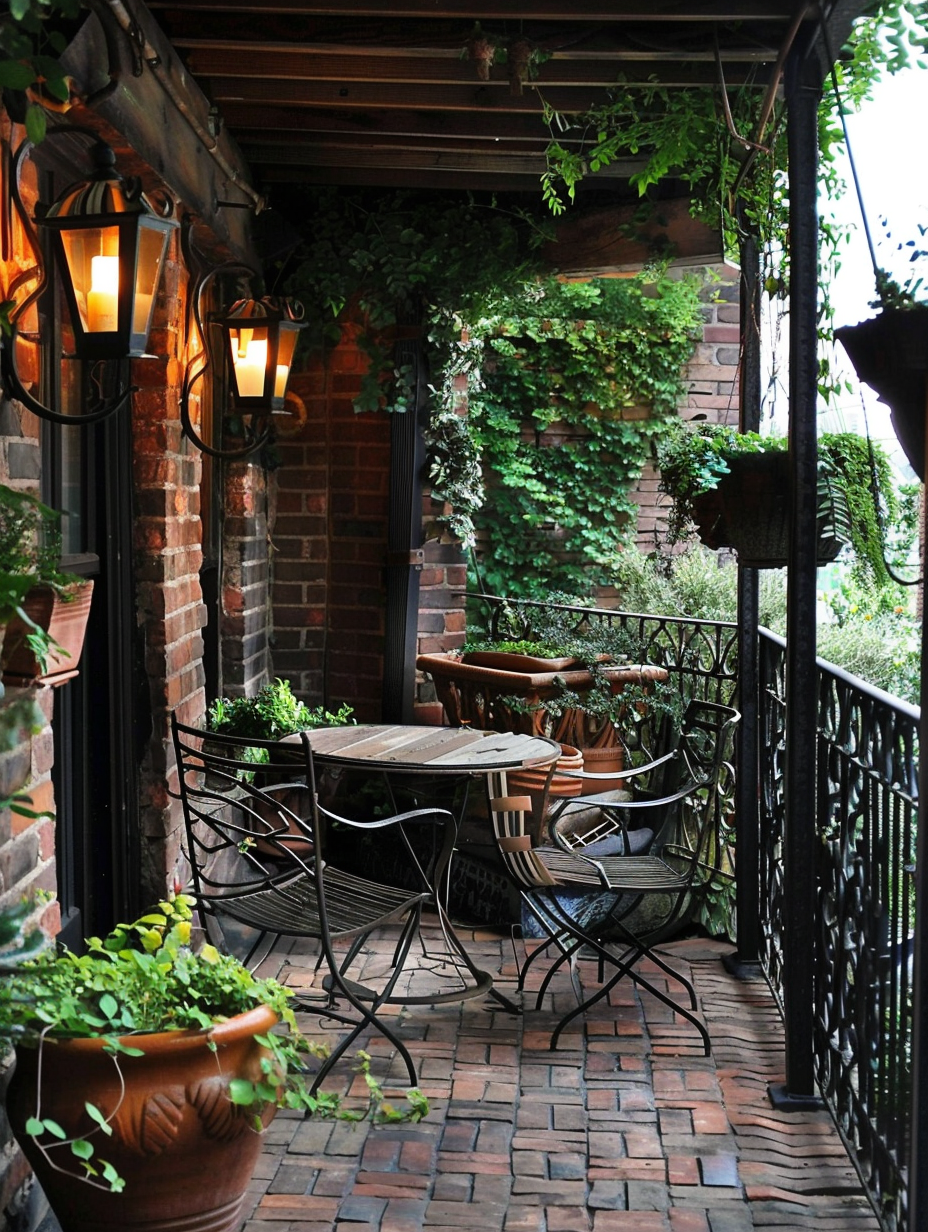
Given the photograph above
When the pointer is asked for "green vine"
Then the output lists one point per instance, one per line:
(400, 258)
(713, 141)
(569, 383)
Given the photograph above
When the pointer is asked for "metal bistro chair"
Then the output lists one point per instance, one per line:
(256, 842)
(583, 901)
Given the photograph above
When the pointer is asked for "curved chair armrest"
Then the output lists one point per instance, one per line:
(439, 819)
(614, 808)
(611, 775)
(415, 816)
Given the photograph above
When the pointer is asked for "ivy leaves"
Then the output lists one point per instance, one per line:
(573, 381)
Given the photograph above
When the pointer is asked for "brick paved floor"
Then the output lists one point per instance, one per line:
(628, 1126)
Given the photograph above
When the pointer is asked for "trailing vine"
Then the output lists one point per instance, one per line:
(569, 384)
(719, 142)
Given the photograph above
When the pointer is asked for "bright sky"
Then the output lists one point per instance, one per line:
(887, 142)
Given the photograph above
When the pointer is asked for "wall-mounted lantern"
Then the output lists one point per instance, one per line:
(259, 339)
(109, 245)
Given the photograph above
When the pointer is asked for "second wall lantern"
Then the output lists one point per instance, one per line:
(260, 336)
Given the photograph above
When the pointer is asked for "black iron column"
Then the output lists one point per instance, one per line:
(747, 838)
(803, 91)
(918, 1150)
(404, 544)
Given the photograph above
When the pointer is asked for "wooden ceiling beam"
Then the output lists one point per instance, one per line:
(395, 177)
(458, 161)
(674, 11)
(267, 139)
(377, 125)
(476, 97)
(229, 58)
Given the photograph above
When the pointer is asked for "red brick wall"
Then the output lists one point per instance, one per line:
(441, 607)
(244, 591)
(27, 845)
(329, 540)
(712, 393)
(167, 557)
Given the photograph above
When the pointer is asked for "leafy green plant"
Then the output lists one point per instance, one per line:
(388, 258)
(692, 458)
(568, 383)
(273, 712)
(20, 938)
(146, 977)
(29, 50)
(728, 146)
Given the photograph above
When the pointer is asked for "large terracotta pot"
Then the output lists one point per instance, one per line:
(65, 618)
(532, 783)
(602, 760)
(185, 1151)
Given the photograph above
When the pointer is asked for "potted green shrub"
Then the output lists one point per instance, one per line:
(43, 611)
(734, 488)
(145, 1073)
(272, 713)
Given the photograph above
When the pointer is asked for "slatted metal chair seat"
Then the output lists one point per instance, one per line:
(291, 907)
(586, 903)
(257, 840)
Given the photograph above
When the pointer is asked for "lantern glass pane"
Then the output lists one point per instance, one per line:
(152, 243)
(285, 348)
(92, 254)
(248, 347)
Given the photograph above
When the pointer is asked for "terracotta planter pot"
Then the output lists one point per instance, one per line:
(64, 619)
(184, 1150)
(602, 761)
(890, 354)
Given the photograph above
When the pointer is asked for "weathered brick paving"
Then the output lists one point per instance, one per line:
(626, 1128)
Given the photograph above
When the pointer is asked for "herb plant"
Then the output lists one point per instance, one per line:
(272, 713)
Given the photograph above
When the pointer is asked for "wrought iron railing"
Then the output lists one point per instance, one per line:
(866, 825)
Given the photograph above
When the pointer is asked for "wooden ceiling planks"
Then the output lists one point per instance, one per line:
(333, 92)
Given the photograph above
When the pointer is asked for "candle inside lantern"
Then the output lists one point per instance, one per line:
(250, 366)
(103, 296)
(280, 381)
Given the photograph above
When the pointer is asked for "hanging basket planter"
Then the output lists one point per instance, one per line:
(890, 354)
(749, 512)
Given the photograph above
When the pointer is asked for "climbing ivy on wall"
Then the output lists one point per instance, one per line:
(569, 384)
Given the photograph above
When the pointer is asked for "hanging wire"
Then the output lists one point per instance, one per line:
(852, 163)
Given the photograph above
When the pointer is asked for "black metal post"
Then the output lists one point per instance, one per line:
(918, 1147)
(747, 844)
(803, 91)
(404, 546)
